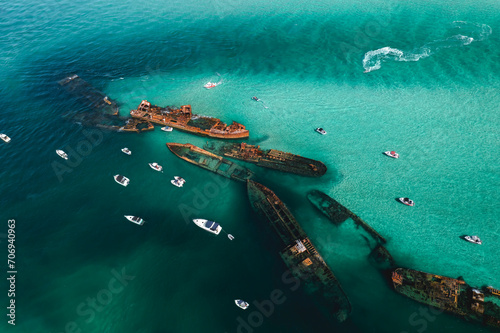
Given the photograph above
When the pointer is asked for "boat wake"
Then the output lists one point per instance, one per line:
(468, 33)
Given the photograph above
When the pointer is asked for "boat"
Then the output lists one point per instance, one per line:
(126, 151)
(407, 201)
(392, 154)
(122, 180)
(473, 239)
(180, 179)
(299, 253)
(209, 161)
(241, 304)
(167, 129)
(135, 219)
(320, 131)
(209, 226)
(210, 85)
(4, 137)
(155, 166)
(231, 237)
(448, 294)
(185, 120)
(269, 158)
(62, 154)
(177, 182)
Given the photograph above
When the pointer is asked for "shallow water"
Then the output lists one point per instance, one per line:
(306, 63)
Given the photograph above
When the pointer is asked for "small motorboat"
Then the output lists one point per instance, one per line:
(320, 131)
(392, 154)
(255, 98)
(127, 151)
(231, 237)
(182, 180)
(134, 219)
(167, 129)
(62, 154)
(4, 137)
(407, 201)
(210, 85)
(156, 166)
(473, 239)
(177, 182)
(241, 304)
(122, 180)
(209, 226)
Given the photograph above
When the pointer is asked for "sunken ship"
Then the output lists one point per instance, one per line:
(269, 158)
(209, 161)
(448, 294)
(184, 120)
(299, 254)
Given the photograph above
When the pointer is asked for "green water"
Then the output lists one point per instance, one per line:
(305, 61)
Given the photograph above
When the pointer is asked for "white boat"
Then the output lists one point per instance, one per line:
(122, 180)
(209, 226)
(320, 131)
(134, 219)
(231, 237)
(392, 154)
(4, 137)
(127, 151)
(241, 304)
(156, 166)
(62, 154)
(167, 129)
(407, 201)
(210, 85)
(473, 239)
(182, 180)
(177, 182)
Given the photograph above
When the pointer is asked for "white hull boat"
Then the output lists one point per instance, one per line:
(126, 151)
(209, 226)
(241, 304)
(407, 201)
(134, 219)
(122, 180)
(473, 239)
(320, 131)
(392, 154)
(155, 166)
(62, 154)
(4, 137)
(167, 129)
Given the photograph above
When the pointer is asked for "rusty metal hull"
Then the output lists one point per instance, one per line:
(209, 161)
(299, 254)
(452, 295)
(184, 120)
(270, 158)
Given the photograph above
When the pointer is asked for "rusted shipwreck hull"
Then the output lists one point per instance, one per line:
(299, 253)
(184, 120)
(451, 295)
(269, 158)
(209, 161)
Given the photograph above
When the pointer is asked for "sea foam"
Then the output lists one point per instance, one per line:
(474, 32)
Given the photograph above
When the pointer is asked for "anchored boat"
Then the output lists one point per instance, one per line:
(208, 225)
(126, 151)
(241, 304)
(134, 219)
(155, 166)
(4, 137)
(62, 154)
(122, 180)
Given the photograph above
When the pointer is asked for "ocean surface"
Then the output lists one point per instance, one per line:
(420, 77)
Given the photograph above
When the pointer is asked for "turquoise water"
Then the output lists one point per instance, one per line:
(433, 99)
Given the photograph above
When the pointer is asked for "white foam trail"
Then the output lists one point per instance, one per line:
(474, 32)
